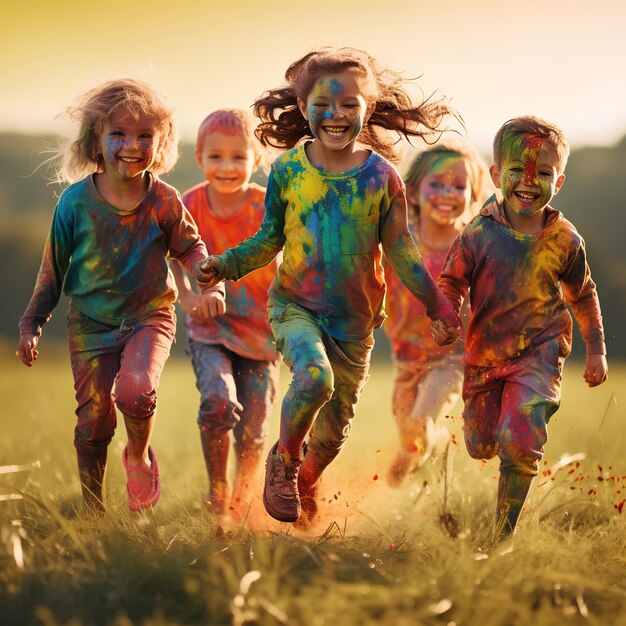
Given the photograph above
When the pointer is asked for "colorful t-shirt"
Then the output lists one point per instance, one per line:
(244, 329)
(330, 227)
(519, 287)
(407, 325)
(113, 264)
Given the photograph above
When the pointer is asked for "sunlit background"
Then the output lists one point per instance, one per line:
(563, 59)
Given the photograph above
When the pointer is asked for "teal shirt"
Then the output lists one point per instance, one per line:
(112, 264)
(333, 229)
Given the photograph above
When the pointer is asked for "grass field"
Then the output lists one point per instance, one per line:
(378, 556)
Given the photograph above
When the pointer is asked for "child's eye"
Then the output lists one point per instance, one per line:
(516, 170)
(545, 173)
(116, 133)
(461, 187)
(351, 106)
(145, 136)
(436, 184)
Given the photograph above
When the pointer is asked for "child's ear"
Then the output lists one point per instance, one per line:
(494, 170)
(303, 109)
(198, 154)
(559, 183)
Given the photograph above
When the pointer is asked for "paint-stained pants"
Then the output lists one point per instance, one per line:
(235, 394)
(115, 366)
(507, 408)
(328, 376)
(424, 389)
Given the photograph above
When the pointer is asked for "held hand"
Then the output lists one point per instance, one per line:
(190, 303)
(443, 334)
(596, 370)
(27, 349)
(210, 304)
(206, 272)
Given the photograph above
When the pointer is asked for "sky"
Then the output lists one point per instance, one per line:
(563, 60)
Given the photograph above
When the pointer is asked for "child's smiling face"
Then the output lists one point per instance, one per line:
(529, 175)
(444, 193)
(129, 145)
(336, 108)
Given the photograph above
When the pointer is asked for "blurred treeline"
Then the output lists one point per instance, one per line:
(591, 198)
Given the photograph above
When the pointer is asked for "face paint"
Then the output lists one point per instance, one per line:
(529, 174)
(444, 192)
(336, 108)
(129, 146)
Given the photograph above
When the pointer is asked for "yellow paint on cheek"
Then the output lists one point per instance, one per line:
(315, 372)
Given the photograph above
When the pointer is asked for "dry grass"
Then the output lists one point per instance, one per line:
(377, 555)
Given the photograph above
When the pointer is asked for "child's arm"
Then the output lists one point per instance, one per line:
(211, 303)
(48, 285)
(580, 293)
(404, 257)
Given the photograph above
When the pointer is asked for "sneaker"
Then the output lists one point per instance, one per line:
(280, 494)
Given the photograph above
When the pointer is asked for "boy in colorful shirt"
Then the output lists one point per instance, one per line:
(522, 262)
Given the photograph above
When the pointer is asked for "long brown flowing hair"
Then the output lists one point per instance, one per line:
(394, 116)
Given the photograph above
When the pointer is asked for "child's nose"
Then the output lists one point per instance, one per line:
(337, 111)
(530, 178)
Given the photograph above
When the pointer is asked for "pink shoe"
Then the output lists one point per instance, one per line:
(138, 496)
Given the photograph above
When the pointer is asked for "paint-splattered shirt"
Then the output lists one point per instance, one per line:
(330, 227)
(112, 264)
(519, 286)
(407, 325)
(244, 328)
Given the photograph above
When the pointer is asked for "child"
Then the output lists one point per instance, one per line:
(330, 204)
(233, 355)
(446, 185)
(522, 262)
(107, 249)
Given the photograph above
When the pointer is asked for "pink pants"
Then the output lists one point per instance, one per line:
(507, 408)
(115, 366)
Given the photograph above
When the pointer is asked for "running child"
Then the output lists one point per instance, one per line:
(334, 203)
(446, 186)
(523, 263)
(108, 248)
(233, 355)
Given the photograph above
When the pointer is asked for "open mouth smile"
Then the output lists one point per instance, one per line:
(526, 196)
(336, 132)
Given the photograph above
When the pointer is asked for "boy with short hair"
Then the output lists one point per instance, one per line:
(522, 262)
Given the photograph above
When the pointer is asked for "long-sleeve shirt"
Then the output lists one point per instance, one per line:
(407, 324)
(244, 328)
(519, 285)
(330, 227)
(112, 264)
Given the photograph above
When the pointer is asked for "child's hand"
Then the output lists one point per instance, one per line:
(444, 334)
(596, 369)
(206, 272)
(189, 303)
(210, 304)
(27, 349)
